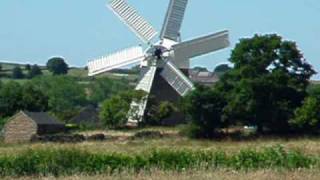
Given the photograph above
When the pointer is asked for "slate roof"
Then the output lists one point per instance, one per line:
(203, 77)
(88, 115)
(42, 118)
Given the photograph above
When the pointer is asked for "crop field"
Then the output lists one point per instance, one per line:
(164, 157)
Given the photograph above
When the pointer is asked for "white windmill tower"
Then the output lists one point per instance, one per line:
(164, 63)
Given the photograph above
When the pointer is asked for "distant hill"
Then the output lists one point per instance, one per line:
(78, 72)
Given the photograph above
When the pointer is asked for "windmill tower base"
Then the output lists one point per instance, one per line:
(162, 91)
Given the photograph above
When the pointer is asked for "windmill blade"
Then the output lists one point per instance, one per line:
(176, 79)
(116, 60)
(133, 20)
(146, 81)
(201, 46)
(137, 109)
(173, 21)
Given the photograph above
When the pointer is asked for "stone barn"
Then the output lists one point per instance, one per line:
(24, 125)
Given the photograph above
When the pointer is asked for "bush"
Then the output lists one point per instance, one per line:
(116, 110)
(158, 111)
(203, 108)
(307, 117)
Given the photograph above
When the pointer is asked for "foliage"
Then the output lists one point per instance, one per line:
(199, 68)
(203, 107)
(158, 111)
(116, 110)
(2, 123)
(34, 71)
(17, 73)
(267, 84)
(10, 99)
(60, 162)
(66, 95)
(222, 69)
(57, 66)
(103, 88)
(307, 117)
(28, 67)
(15, 97)
(33, 99)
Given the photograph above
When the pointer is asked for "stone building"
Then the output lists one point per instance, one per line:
(24, 125)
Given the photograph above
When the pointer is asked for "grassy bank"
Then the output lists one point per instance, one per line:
(224, 174)
(72, 161)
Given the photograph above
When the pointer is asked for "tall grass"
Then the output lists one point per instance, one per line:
(73, 161)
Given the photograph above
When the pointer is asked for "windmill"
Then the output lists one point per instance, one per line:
(164, 63)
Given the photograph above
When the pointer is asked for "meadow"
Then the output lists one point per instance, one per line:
(166, 157)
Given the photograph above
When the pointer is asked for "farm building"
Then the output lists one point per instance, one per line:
(203, 77)
(24, 125)
(88, 116)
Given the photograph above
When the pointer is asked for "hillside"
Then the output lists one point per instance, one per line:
(77, 72)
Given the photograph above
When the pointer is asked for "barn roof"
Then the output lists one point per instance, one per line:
(42, 118)
(89, 115)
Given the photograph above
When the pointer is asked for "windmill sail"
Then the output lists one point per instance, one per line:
(176, 79)
(173, 21)
(137, 109)
(131, 18)
(116, 60)
(201, 46)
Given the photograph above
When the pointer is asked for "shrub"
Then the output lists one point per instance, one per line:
(159, 111)
(203, 108)
(116, 110)
(307, 117)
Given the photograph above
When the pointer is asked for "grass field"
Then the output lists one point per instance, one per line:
(123, 142)
(222, 174)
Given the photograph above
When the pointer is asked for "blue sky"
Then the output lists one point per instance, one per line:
(31, 31)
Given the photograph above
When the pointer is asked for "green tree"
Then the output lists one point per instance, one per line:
(116, 110)
(66, 95)
(34, 71)
(28, 67)
(268, 82)
(57, 66)
(204, 107)
(103, 88)
(10, 98)
(222, 69)
(33, 99)
(17, 73)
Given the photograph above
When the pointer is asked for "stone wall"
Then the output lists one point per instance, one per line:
(19, 129)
